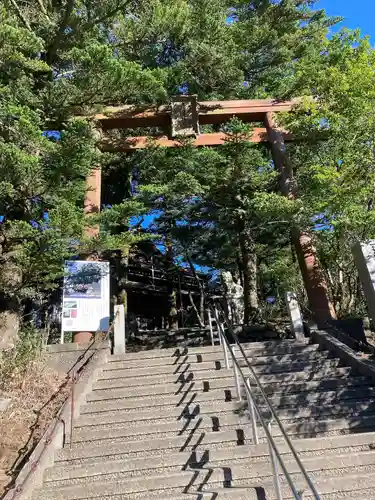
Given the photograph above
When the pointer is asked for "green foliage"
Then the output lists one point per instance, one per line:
(209, 200)
(218, 207)
(42, 179)
(335, 161)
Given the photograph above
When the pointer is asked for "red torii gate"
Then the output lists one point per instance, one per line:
(184, 117)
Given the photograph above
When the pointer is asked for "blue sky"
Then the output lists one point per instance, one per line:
(357, 14)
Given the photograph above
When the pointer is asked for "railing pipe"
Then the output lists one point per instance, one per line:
(276, 418)
(275, 468)
(252, 412)
(237, 377)
(223, 342)
(210, 327)
(240, 372)
(216, 314)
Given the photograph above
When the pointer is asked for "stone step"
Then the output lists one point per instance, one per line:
(174, 462)
(171, 373)
(218, 421)
(303, 402)
(182, 427)
(238, 493)
(272, 348)
(310, 353)
(277, 392)
(189, 386)
(319, 391)
(205, 384)
(197, 428)
(154, 446)
(339, 485)
(100, 414)
(206, 478)
(310, 447)
(120, 398)
(199, 473)
(304, 426)
(129, 378)
(231, 434)
(163, 384)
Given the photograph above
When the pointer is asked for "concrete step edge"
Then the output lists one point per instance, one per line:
(97, 489)
(240, 433)
(295, 426)
(260, 450)
(230, 417)
(251, 346)
(243, 468)
(216, 366)
(149, 418)
(291, 377)
(140, 405)
(217, 356)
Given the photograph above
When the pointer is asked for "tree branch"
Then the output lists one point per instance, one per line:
(201, 324)
(20, 15)
(108, 15)
(63, 25)
(42, 8)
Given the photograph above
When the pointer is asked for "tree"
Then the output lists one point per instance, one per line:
(42, 184)
(221, 208)
(271, 37)
(336, 158)
(210, 196)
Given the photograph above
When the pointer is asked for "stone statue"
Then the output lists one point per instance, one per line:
(233, 292)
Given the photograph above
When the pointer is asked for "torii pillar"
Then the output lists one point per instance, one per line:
(92, 201)
(93, 193)
(92, 204)
(313, 277)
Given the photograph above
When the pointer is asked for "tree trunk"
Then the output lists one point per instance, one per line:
(313, 276)
(172, 291)
(249, 266)
(201, 290)
(201, 324)
(123, 278)
(240, 268)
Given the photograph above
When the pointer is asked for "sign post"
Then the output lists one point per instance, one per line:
(86, 302)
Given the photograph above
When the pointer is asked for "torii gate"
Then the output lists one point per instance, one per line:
(183, 117)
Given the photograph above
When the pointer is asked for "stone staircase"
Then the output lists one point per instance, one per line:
(166, 424)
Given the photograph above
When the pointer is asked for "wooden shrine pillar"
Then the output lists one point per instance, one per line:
(92, 201)
(92, 205)
(313, 277)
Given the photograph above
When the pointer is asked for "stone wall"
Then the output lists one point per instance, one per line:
(62, 357)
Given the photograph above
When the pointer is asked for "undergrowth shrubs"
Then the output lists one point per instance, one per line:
(14, 362)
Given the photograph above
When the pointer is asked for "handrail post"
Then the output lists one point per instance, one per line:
(216, 314)
(210, 327)
(236, 375)
(275, 468)
(220, 331)
(250, 403)
(225, 347)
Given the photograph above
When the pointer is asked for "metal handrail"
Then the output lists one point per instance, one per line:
(253, 404)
